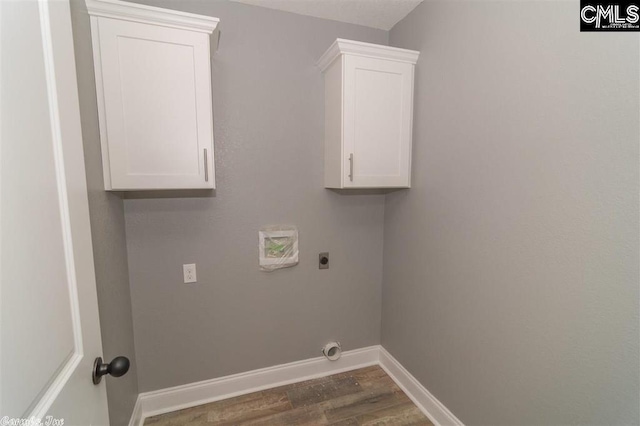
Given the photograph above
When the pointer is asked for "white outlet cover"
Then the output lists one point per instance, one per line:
(189, 271)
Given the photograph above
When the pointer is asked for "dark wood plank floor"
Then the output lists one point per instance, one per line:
(364, 397)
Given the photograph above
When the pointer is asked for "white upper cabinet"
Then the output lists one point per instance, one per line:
(153, 83)
(368, 115)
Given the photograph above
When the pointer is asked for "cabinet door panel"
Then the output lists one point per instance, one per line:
(377, 122)
(157, 106)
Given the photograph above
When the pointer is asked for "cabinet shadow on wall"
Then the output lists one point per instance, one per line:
(361, 191)
(170, 193)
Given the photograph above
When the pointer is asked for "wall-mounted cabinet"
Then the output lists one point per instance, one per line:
(368, 115)
(153, 84)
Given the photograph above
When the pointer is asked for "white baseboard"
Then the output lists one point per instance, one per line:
(429, 404)
(136, 417)
(185, 396)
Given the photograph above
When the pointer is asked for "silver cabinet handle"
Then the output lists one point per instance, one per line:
(206, 166)
(351, 167)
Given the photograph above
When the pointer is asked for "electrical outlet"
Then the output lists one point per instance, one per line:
(323, 260)
(189, 271)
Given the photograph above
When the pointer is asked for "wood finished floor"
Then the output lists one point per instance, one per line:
(364, 397)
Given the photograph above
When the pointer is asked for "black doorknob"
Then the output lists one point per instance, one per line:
(116, 368)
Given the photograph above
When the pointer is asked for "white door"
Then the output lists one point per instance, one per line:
(157, 121)
(378, 99)
(49, 329)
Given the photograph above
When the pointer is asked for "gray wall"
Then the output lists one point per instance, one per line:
(108, 233)
(268, 125)
(511, 267)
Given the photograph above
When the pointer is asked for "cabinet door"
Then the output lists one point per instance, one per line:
(156, 119)
(378, 110)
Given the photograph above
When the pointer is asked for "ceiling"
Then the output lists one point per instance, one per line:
(383, 14)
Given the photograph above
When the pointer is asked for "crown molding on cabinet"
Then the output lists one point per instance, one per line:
(359, 48)
(151, 15)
